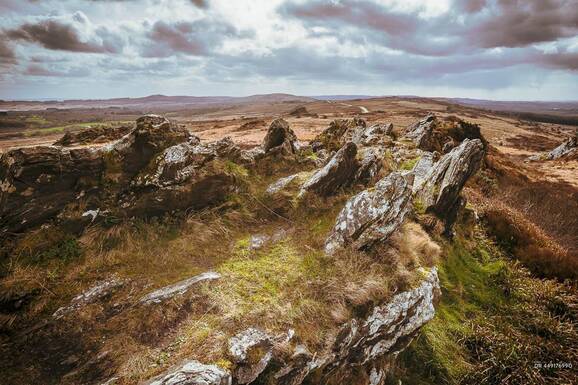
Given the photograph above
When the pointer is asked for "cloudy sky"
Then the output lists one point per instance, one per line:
(497, 49)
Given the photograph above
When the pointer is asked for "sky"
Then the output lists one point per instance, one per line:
(490, 49)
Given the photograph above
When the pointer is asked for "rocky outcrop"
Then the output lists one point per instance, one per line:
(178, 288)
(337, 173)
(195, 373)
(251, 351)
(565, 150)
(95, 293)
(339, 132)
(433, 133)
(388, 329)
(377, 134)
(422, 133)
(91, 135)
(157, 167)
(372, 215)
(439, 188)
(280, 138)
(360, 345)
(152, 134)
(36, 183)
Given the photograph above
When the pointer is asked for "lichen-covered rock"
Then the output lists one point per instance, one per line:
(127, 157)
(566, 149)
(36, 183)
(283, 194)
(439, 189)
(183, 176)
(422, 133)
(251, 350)
(337, 173)
(195, 373)
(389, 327)
(280, 138)
(93, 294)
(339, 132)
(442, 134)
(372, 215)
(178, 288)
(422, 169)
(376, 134)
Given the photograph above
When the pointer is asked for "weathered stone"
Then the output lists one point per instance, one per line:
(95, 293)
(338, 172)
(389, 328)
(280, 138)
(372, 215)
(36, 183)
(95, 134)
(442, 134)
(299, 367)
(127, 157)
(251, 350)
(376, 134)
(566, 149)
(195, 373)
(178, 288)
(422, 133)
(422, 169)
(440, 188)
(371, 161)
(339, 132)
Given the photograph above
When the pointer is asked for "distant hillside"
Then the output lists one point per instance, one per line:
(152, 101)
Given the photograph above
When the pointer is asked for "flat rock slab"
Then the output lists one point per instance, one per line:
(178, 288)
(195, 373)
(96, 292)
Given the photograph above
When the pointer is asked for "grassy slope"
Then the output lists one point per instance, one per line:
(495, 322)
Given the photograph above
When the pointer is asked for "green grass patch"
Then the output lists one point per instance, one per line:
(409, 164)
(492, 323)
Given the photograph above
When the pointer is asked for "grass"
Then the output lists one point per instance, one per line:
(409, 164)
(493, 323)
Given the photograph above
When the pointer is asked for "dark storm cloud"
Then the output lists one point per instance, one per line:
(6, 52)
(471, 26)
(61, 35)
(201, 3)
(197, 38)
(517, 23)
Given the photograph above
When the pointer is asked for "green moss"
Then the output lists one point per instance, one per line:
(418, 206)
(235, 169)
(409, 164)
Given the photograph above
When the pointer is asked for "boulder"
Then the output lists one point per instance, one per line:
(337, 173)
(439, 189)
(251, 350)
(195, 373)
(280, 138)
(36, 183)
(178, 288)
(566, 149)
(372, 215)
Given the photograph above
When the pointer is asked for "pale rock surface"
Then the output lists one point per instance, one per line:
(178, 288)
